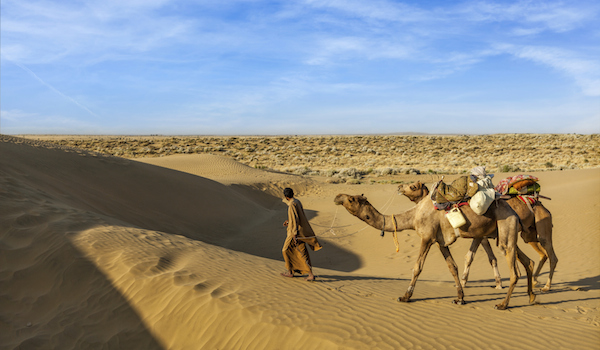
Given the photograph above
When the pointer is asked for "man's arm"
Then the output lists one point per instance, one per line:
(293, 219)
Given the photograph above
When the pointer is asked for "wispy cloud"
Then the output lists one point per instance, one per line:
(554, 16)
(68, 98)
(584, 71)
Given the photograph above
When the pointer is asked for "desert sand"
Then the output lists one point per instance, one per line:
(184, 252)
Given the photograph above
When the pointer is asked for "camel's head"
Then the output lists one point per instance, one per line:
(414, 191)
(352, 203)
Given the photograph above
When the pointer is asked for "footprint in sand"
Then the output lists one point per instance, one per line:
(184, 278)
(217, 291)
(153, 267)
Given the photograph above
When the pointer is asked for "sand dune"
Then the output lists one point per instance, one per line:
(184, 252)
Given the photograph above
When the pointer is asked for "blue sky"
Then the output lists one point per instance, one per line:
(299, 67)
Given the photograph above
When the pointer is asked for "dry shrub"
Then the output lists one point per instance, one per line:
(357, 156)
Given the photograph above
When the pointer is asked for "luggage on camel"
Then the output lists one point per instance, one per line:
(456, 218)
(486, 194)
(533, 189)
(459, 190)
(481, 201)
(519, 184)
(476, 189)
(451, 197)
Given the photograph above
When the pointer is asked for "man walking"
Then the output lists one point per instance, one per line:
(299, 234)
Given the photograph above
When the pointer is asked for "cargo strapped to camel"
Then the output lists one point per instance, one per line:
(520, 185)
(460, 190)
(476, 190)
(451, 197)
(524, 187)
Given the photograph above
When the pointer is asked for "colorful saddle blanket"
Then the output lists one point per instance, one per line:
(519, 184)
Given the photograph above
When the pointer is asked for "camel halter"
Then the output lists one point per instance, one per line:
(332, 227)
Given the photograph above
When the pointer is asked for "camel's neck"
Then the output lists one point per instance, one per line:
(390, 223)
(418, 200)
(422, 195)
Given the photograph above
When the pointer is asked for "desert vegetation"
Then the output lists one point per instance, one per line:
(357, 156)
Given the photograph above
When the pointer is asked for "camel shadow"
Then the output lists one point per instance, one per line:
(585, 284)
(337, 278)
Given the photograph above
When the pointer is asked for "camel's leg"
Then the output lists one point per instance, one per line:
(425, 246)
(469, 260)
(543, 257)
(507, 238)
(528, 264)
(543, 226)
(454, 271)
(493, 262)
(510, 255)
(491, 258)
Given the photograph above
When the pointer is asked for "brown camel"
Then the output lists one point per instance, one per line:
(537, 232)
(433, 227)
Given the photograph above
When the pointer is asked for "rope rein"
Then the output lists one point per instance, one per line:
(331, 227)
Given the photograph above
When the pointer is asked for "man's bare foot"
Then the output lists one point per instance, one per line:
(287, 274)
(310, 278)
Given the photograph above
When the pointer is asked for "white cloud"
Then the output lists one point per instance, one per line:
(48, 32)
(373, 10)
(553, 16)
(585, 72)
(339, 49)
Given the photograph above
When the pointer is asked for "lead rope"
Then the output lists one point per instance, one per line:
(332, 221)
(385, 206)
(395, 235)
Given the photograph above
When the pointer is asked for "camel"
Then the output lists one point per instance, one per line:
(538, 234)
(432, 226)
(537, 224)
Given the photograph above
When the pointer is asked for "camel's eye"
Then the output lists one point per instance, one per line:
(368, 218)
(414, 188)
(350, 199)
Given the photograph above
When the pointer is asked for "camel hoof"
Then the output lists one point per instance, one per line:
(498, 287)
(545, 289)
(500, 307)
(458, 302)
(403, 300)
(532, 299)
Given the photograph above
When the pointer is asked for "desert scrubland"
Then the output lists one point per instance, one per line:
(354, 157)
(175, 243)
